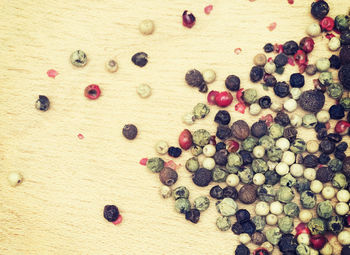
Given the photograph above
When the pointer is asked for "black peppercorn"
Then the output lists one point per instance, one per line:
(202, 177)
(280, 70)
(216, 192)
(340, 155)
(259, 238)
(111, 213)
(272, 177)
(282, 118)
(268, 48)
(287, 243)
(223, 132)
(222, 117)
(346, 167)
(194, 78)
(256, 73)
(248, 227)
(242, 250)
(129, 131)
(319, 9)
(281, 60)
(337, 111)
(220, 146)
(345, 250)
(168, 176)
(193, 215)
(240, 129)
(344, 76)
(345, 37)
(220, 157)
(319, 126)
(232, 83)
(290, 48)
(310, 161)
(334, 137)
(323, 159)
(230, 192)
(322, 134)
(344, 55)
(297, 80)
(265, 102)
(270, 80)
(43, 103)
(324, 174)
(246, 157)
(140, 59)
(312, 100)
(242, 215)
(343, 146)
(259, 129)
(281, 89)
(327, 146)
(247, 194)
(335, 62)
(290, 133)
(174, 152)
(237, 228)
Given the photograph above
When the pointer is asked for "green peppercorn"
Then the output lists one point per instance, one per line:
(246, 175)
(274, 153)
(219, 174)
(259, 222)
(335, 224)
(308, 199)
(192, 164)
(291, 209)
(201, 203)
(309, 120)
(345, 102)
(324, 209)
(234, 159)
(266, 193)
(326, 78)
(335, 165)
(259, 166)
(250, 96)
(286, 224)
(78, 58)
(223, 223)
(227, 207)
(232, 169)
(200, 111)
(342, 22)
(317, 226)
(273, 235)
(266, 141)
(196, 150)
(303, 249)
(302, 185)
(335, 90)
(201, 137)
(181, 192)
(339, 181)
(288, 180)
(182, 205)
(155, 164)
(284, 194)
(298, 146)
(249, 143)
(276, 131)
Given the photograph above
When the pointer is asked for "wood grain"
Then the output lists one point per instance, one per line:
(58, 208)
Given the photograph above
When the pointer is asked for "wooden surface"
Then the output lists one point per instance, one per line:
(67, 181)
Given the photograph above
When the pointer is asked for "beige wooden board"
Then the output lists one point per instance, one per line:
(67, 181)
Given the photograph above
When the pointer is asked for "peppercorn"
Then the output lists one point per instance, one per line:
(339, 155)
(193, 215)
(327, 146)
(335, 165)
(335, 62)
(265, 102)
(256, 73)
(246, 175)
(260, 59)
(202, 177)
(266, 193)
(316, 226)
(274, 154)
(201, 203)
(319, 9)
(259, 129)
(78, 58)
(223, 132)
(43, 103)
(345, 250)
(343, 146)
(324, 209)
(223, 223)
(290, 48)
(345, 37)
(268, 47)
(242, 250)
(165, 191)
(344, 76)
(310, 161)
(320, 126)
(335, 224)
(281, 60)
(248, 227)
(276, 130)
(308, 199)
(250, 96)
(237, 228)
(201, 137)
(342, 22)
(246, 157)
(281, 89)
(324, 174)
(168, 176)
(194, 78)
(334, 137)
(174, 152)
(254, 109)
(288, 180)
(232, 82)
(216, 192)
(344, 55)
(297, 80)
(271, 178)
(155, 164)
(218, 174)
(140, 59)
(226, 207)
(220, 157)
(345, 102)
(242, 215)
(270, 80)
(339, 181)
(282, 119)
(335, 90)
(290, 133)
(220, 146)
(230, 192)
(110, 213)
(346, 167)
(182, 205)
(222, 117)
(247, 194)
(200, 111)
(273, 235)
(336, 112)
(322, 134)
(311, 69)
(325, 79)
(288, 243)
(240, 129)
(312, 100)
(14, 178)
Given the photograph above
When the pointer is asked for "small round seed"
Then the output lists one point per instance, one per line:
(146, 27)
(14, 179)
(78, 58)
(111, 65)
(144, 90)
(129, 131)
(209, 76)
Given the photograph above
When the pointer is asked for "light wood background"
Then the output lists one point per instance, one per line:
(67, 181)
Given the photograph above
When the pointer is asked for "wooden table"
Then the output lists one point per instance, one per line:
(67, 181)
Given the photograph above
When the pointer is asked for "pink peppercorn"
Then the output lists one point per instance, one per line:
(342, 127)
(327, 24)
(223, 99)
(185, 139)
(188, 19)
(208, 9)
(92, 91)
(211, 97)
(240, 107)
(212, 140)
(232, 145)
(119, 220)
(307, 44)
(300, 58)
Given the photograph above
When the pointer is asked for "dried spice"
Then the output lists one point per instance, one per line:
(201, 137)
(288, 243)
(242, 250)
(111, 65)
(216, 192)
(259, 222)
(188, 19)
(181, 192)
(256, 73)
(248, 227)
(266, 193)
(336, 112)
(319, 9)
(52, 73)
(297, 80)
(273, 235)
(227, 207)
(240, 129)
(290, 48)
(223, 223)
(168, 176)
(344, 76)
(232, 83)
(78, 58)
(220, 157)
(246, 157)
(223, 132)
(281, 89)
(268, 48)
(247, 194)
(222, 117)
(324, 209)
(193, 215)
(308, 199)
(43, 103)
(201, 203)
(317, 226)
(327, 146)
(146, 27)
(111, 213)
(129, 131)
(182, 205)
(92, 91)
(281, 60)
(202, 177)
(155, 164)
(312, 100)
(335, 224)
(14, 178)
(237, 228)
(140, 59)
(218, 174)
(344, 55)
(286, 224)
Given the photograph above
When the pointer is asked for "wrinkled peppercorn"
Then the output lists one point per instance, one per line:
(237, 228)
(288, 243)
(290, 48)
(319, 126)
(129, 131)
(324, 174)
(297, 80)
(216, 192)
(323, 159)
(247, 158)
(247, 194)
(242, 250)
(336, 112)
(202, 177)
(281, 60)
(340, 155)
(344, 55)
(232, 83)
(248, 227)
(43, 103)
(319, 9)
(327, 146)
(258, 238)
(111, 213)
(335, 62)
(242, 215)
(282, 118)
(230, 192)
(343, 146)
(310, 161)
(268, 47)
(222, 117)
(290, 133)
(344, 76)
(223, 132)
(265, 102)
(256, 73)
(334, 137)
(270, 80)
(271, 177)
(220, 146)
(168, 176)
(220, 157)
(312, 100)
(193, 215)
(259, 129)
(281, 89)
(194, 78)
(322, 134)
(140, 59)
(174, 152)
(240, 129)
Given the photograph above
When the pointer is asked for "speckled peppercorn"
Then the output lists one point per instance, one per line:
(312, 100)
(319, 9)
(202, 177)
(168, 176)
(324, 174)
(240, 129)
(256, 73)
(281, 89)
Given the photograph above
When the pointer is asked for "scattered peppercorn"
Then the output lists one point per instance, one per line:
(78, 58)
(216, 192)
(336, 112)
(312, 100)
(92, 91)
(282, 118)
(256, 73)
(281, 89)
(270, 80)
(248, 227)
(290, 133)
(265, 102)
(247, 158)
(168, 176)
(202, 177)
(240, 129)
(288, 243)
(174, 152)
(193, 215)
(343, 146)
(111, 213)
(188, 19)
(311, 69)
(140, 59)
(297, 80)
(220, 146)
(43, 103)
(335, 62)
(242, 250)
(324, 174)
(268, 47)
(344, 55)
(281, 60)
(322, 134)
(223, 132)
(319, 9)
(237, 228)
(290, 48)
(232, 83)
(334, 137)
(310, 161)
(220, 157)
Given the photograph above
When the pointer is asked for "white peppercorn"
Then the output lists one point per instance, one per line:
(296, 120)
(209, 76)
(14, 178)
(327, 249)
(209, 150)
(165, 191)
(270, 67)
(328, 192)
(344, 237)
(316, 186)
(323, 116)
(288, 157)
(297, 170)
(271, 219)
(276, 208)
(282, 168)
(276, 107)
(254, 109)
(259, 179)
(296, 93)
(309, 120)
(244, 238)
(283, 143)
(342, 208)
(290, 105)
(144, 90)
(262, 208)
(305, 216)
(323, 64)
(313, 30)
(334, 44)
(343, 195)
(162, 147)
(232, 180)
(208, 163)
(111, 65)
(259, 151)
(268, 246)
(312, 146)
(188, 118)
(310, 174)
(146, 27)
(303, 238)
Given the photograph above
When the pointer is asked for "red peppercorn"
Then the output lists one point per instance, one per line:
(223, 99)
(268, 119)
(329, 36)
(301, 229)
(327, 24)
(188, 19)
(119, 220)
(239, 95)
(211, 97)
(342, 127)
(212, 140)
(240, 107)
(261, 251)
(300, 57)
(208, 9)
(92, 91)
(318, 241)
(307, 44)
(232, 145)
(185, 139)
